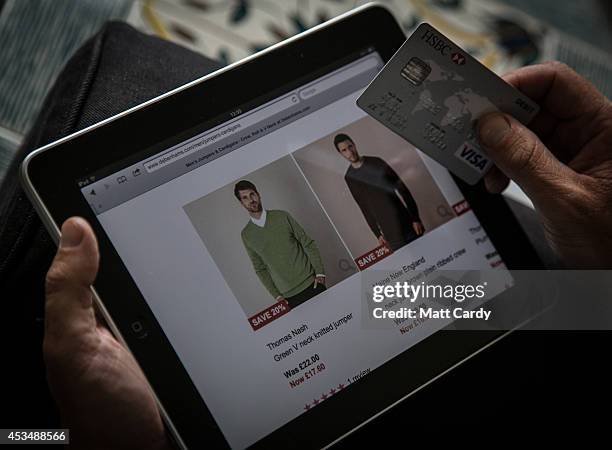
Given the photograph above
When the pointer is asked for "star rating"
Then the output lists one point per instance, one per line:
(323, 397)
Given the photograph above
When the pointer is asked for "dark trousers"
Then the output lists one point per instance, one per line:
(306, 294)
(404, 240)
(115, 70)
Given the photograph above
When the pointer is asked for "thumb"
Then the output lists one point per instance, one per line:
(521, 156)
(69, 311)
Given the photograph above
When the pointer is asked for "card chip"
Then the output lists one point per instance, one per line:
(416, 71)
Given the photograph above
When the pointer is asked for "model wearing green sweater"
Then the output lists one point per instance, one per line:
(284, 257)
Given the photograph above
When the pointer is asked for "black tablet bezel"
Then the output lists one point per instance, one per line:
(50, 179)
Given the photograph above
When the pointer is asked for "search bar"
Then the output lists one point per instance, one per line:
(340, 77)
(208, 138)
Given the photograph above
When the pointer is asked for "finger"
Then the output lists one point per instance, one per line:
(100, 320)
(521, 156)
(555, 86)
(569, 106)
(495, 181)
(69, 308)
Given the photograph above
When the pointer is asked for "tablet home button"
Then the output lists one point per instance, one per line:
(139, 329)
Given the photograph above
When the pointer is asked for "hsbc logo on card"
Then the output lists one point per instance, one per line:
(472, 157)
(440, 45)
(458, 58)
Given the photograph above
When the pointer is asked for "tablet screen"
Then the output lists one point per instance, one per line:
(247, 240)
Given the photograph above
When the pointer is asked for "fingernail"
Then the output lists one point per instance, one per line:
(492, 129)
(72, 234)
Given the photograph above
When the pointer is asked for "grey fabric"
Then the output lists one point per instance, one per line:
(36, 39)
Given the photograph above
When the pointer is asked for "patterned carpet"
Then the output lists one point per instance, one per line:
(38, 36)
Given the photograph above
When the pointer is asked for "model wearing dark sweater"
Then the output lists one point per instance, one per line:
(385, 201)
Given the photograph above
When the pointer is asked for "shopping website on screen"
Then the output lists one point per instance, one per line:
(248, 241)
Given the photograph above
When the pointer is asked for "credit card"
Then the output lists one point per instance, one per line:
(431, 93)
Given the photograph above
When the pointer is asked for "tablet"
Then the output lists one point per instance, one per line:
(234, 226)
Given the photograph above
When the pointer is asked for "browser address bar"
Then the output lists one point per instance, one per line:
(340, 77)
(206, 139)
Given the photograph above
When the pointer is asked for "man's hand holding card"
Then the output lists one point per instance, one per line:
(432, 93)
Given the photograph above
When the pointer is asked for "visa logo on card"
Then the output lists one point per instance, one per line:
(432, 93)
